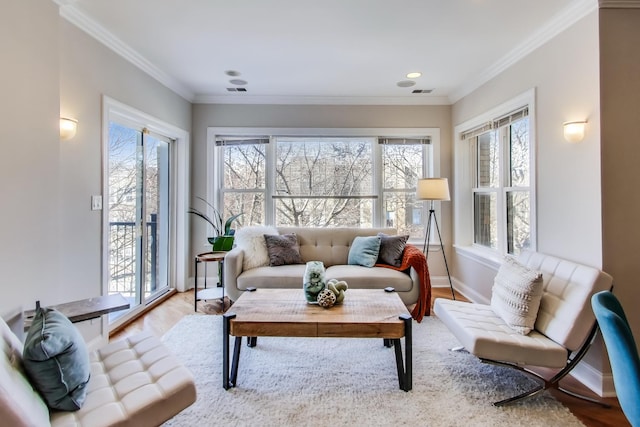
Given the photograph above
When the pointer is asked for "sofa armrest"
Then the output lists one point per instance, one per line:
(233, 261)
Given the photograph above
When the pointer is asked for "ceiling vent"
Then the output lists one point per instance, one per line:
(236, 89)
(422, 91)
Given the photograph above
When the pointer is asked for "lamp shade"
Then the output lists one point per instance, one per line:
(68, 128)
(433, 189)
(574, 131)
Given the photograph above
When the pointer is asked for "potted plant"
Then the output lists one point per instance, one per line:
(222, 240)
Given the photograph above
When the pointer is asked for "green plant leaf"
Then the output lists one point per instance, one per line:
(227, 224)
(216, 221)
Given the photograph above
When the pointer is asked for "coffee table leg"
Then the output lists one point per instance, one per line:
(405, 370)
(236, 359)
(226, 329)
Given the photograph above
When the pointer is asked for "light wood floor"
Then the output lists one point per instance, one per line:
(168, 313)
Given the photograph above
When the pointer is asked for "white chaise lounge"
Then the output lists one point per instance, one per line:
(564, 328)
(134, 382)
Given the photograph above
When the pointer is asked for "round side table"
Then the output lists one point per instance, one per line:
(217, 256)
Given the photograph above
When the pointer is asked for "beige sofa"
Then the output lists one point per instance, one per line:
(331, 246)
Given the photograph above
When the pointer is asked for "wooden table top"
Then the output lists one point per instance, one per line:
(365, 313)
(86, 309)
(211, 256)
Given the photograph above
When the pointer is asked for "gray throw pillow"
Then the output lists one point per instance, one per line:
(283, 249)
(56, 359)
(391, 249)
(364, 251)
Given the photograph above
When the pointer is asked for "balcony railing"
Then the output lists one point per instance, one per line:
(123, 259)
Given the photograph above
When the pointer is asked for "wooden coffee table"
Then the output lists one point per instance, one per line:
(365, 313)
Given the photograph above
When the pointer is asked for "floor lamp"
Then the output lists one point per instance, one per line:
(434, 189)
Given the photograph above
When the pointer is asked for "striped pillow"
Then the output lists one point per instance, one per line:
(516, 294)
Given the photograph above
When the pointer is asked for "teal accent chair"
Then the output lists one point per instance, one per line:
(623, 353)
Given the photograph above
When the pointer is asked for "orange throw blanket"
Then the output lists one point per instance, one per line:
(414, 257)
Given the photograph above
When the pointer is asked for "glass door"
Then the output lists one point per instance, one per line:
(138, 235)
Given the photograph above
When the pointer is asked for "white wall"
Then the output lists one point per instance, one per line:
(317, 116)
(29, 167)
(565, 74)
(89, 70)
(51, 240)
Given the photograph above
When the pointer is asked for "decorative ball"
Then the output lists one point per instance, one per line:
(326, 298)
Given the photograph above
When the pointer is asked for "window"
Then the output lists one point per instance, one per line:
(322, 182)
(319, 181)
(501, 162)
(402, 164)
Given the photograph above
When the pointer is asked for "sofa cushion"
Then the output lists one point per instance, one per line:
(358, 277)
(56, 360)
(282, 276)
(391, 249)
(251, 241)
(484, 334)
(135, 381)
(283, 249)
(516, 295)
(364, 251)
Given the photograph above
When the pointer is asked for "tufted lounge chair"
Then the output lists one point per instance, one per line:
(564, 328)
(134, 382)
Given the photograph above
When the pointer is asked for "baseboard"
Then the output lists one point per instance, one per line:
(469, 293)
(601, 384)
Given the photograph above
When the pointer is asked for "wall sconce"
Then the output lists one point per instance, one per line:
(574, 131)
(68, 128)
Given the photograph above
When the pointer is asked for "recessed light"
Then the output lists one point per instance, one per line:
(238, 82)
(232, 73)
(406, 83)
(413, 75)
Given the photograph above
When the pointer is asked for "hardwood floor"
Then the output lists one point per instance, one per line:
(168, 313)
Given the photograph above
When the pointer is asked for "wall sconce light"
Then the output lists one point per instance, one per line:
(574, 131)
(68, 128)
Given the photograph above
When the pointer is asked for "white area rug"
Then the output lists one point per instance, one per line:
(351, 382)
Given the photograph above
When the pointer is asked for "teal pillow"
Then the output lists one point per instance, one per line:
(56, 359)
(364, 251)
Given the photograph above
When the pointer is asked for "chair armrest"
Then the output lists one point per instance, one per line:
(233, 261)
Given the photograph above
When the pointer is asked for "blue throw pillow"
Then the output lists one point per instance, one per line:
(364, 251)
(56, 359)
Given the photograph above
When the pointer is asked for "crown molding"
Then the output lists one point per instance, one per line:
(563, 20)
(619, 4)
(71, 13)
(322, 100)
(569, 16)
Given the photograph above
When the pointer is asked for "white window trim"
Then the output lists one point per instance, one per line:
(430, 169)
(113, 110)
(463, 179)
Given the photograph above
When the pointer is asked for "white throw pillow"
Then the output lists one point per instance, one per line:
(251, 240)
(516, 295)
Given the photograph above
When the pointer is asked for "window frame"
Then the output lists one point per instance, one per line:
(465, 173)
(214, 172)
(113, 110)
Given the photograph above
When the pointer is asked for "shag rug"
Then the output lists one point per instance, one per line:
(351, 382)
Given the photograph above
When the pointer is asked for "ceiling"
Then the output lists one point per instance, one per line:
(323, 51)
